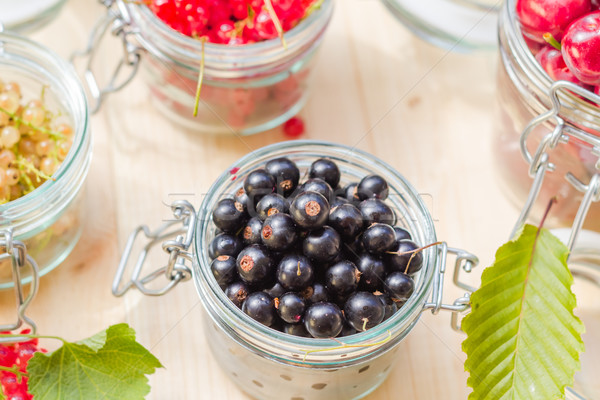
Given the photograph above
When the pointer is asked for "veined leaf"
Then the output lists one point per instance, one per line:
(110, 365)
(523, 340)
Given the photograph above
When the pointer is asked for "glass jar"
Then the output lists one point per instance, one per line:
(49, 219)
(527, 94)
(26, 16)
(269, 364)
(245, 89)
(458, 25)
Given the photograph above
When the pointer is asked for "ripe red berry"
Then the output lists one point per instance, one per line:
(294, 127)
(549, 16)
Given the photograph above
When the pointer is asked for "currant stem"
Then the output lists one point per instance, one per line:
(276, 22)
(413, 252)
(200, 78)
(313, 7)
(30, 336)
(15, 370)
(55, 135)
(552, 41)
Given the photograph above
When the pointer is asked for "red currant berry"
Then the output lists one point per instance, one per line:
(294, 127)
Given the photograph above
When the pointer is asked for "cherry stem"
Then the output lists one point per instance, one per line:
(15, 118)
(200, 78)
(276, 22)
(552, 41)
(413, 253)
(347, 346)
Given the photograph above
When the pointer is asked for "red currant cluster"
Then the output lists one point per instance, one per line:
(564, 35)
(232, 22)
(16, 356)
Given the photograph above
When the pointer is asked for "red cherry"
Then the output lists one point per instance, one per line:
(265, 26)
(552, 61)
(549, 16)
(294, 127)
(581, 48)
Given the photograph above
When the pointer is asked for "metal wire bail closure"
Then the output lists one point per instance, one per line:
(16, 252)
(539, 162)
(118, 22)
(176, 270)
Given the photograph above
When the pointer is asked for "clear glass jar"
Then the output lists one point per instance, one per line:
(49, 219)
(27, 16)
(523, 94)
(246, 89)
(458, 25)
(268, 364)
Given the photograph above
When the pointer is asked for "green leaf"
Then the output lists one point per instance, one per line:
(523, 340)
(109, 365)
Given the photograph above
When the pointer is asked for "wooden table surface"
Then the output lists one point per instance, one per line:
(425, 111)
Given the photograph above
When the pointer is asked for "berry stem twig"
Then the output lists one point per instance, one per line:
(313, 7)
(552, 41)
(200, 77)
(14, 370)
(276, 22)
(55, 135)
(347, 346)
(413, 253)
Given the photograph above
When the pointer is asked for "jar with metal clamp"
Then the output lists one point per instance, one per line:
(548, 145)
(264, 362)
(245, 89)
(47, 217)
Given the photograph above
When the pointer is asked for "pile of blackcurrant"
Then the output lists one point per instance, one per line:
(312, 259)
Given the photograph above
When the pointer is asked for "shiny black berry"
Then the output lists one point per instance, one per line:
(241, 197)
(322, 245)
(237, 293)
(252, 231)
(348, 329)
(372, 186)
(223, 269)
(315, 293)
(390, 306)
(272, 203)
(350, 193)
(286, 174)
(347, 220)
(229, 215)
(310, 210)
(374, 210)
(254, 264)
(399, 256)
(225, 244)
(295, 272)
(372, 272)
(258, 184)
(342, 278)
(378, 238)
(319, 186)
(338, 201)
(399, 286)
(296, 330)
(290, 307)
(276, 290)
(260, 307)
(363, 310)
(323, 320)
(402, 234)
(325, 169)
(279, 232)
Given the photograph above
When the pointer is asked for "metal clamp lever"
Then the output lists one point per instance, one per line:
(182, 228)
(465, 261)
(17, 253)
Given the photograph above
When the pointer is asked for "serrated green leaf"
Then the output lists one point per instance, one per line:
(110, 365)
(523, 340)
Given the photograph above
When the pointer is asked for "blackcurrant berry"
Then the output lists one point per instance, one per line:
(229, 215)
(402, 234)
(254, 264)
(399, 256)
(252, 231)
(296, 330)
(399, 286)
(363, 310)
(223, 269)
(242, 198)
(319, 186)
(338, 201)
(323, 320)
(290, 307)
(295, 272)
(315, 293)
(350, 193)
(260, 307)
(225, 244)
(258, 184)
(389, 305)
(237, 293)
(374, 210)
(276, 290)
(342, 278)
(348, 329)
(310, 210)
(372, 186)
(286, 174)
(372, 272)
(272, 203)
(325, 169)
(322, 245)
(378, 238)
(347, 220)
(279, 232)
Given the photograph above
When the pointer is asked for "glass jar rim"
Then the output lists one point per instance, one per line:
(414, 305)
(79, 105)
(272, 46)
